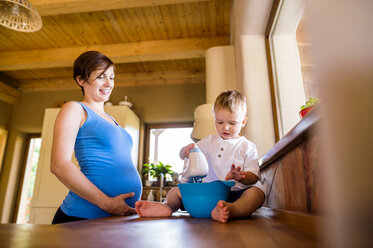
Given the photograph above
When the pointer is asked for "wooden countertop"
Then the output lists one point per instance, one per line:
(292, 138)
(266, 228)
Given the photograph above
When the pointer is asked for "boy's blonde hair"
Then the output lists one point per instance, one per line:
(230, 100)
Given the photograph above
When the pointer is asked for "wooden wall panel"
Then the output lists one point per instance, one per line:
(268, 175)
(295, 180)
(276, 196)
(313, 171)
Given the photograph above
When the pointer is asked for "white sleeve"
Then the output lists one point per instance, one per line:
(251, 160)
(204, 144)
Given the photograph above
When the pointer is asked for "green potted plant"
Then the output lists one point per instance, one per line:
(310, 104)
(157, 171)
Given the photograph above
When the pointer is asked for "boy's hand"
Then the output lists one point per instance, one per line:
(235, 173)
(185, 151)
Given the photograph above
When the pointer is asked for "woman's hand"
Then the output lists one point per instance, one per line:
(117, 205)
(235, 173)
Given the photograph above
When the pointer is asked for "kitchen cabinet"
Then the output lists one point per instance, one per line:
(49, 191)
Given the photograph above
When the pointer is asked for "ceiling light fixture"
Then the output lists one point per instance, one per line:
(19, 15)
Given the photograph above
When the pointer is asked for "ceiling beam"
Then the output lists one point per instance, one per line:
(58, 7)
(156, 50)
(121, 80)
(9, 94)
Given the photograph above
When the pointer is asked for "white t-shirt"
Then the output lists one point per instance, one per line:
(221, 154)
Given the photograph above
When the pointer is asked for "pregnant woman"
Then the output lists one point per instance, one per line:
(107, 182)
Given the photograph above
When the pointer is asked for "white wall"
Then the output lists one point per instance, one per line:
(250, 18)
(220, 71)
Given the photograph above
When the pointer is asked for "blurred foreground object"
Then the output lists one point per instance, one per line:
(343, 55)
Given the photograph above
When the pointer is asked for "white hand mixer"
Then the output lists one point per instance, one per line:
(195, 167)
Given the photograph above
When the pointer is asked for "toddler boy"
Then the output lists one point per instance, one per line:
(229, 156)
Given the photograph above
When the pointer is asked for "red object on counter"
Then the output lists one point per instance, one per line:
(305, 111)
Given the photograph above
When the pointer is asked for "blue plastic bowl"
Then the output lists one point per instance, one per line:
(199, 199)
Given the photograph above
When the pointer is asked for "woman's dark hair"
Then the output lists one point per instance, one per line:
(88, 62)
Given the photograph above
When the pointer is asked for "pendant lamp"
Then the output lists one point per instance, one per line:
(19, 15)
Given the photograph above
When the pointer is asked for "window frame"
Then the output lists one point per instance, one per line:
(284, 20)
(149, 126)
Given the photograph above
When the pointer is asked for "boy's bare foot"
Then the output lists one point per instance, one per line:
(152, 209)
(221, 212)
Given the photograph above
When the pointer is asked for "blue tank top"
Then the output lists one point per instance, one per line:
(103, 151)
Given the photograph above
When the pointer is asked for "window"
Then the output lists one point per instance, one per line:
(291, 63)
(164, 142)
(307, 65)
(28, 179)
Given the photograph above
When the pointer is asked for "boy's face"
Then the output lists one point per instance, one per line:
(228, 125)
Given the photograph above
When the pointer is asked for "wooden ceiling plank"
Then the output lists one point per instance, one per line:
(205, 18)
(212, 18)
(175, 23)
(54, 30)
(197, 20)
(125, 25)
(9, 94)
(58, 7)
(134, 35)
(179, 9)
(92, 29)
(137, 27)
(45, 35)
(156, 18)
(220, 16)
(147, 17)
(121, 80)
(119, 53)
(104, 23)
(167, 22)
(189, 16)
(64, 30)
(220, 23)
(227, 16)
(115, 25)
(144, 25)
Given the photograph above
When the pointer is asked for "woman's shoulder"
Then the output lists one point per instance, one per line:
(72, 108)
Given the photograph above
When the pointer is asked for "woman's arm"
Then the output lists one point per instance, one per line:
(66, 128)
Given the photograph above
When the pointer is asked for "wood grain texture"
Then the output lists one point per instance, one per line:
(9, 94)
(58, 7)
(266, 228)
(133, 33)
(314, 180)
(294, 181)
(295, 178)
(119, 53)
(121, 80)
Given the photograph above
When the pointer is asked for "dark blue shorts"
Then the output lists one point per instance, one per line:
(235, 195)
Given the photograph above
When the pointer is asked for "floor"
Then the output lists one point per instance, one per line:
(266, 228)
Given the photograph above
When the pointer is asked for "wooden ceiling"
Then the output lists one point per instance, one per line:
(150, 41)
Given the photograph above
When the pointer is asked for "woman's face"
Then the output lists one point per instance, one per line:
(100, 84)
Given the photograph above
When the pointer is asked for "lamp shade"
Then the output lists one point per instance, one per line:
(204, 122)
(19, 15)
